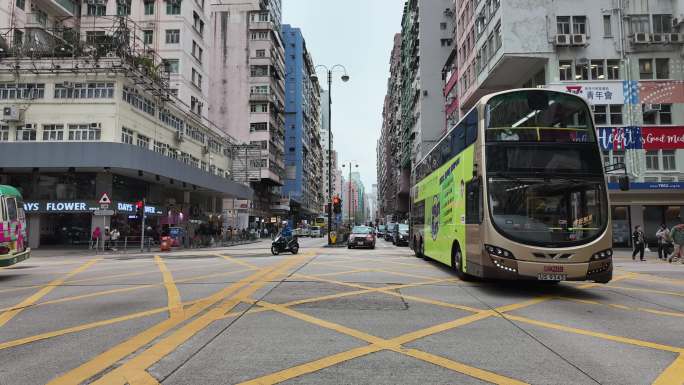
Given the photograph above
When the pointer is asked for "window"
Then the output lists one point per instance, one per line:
(161, 148)
(616, 114)
(27, 133)
(196, 105)
(123, 7)
(84, 132)
(442, 26)
(197, 51)
(143, 141)
(203, 166)
(665, 114)
(132, 97)
(172, 36)
(669, 160)
(497, 36)
(258, 107)
(652, 161)
(53, 132)
(84, 90)
(579, 24)
(96, 10)
(257, 71)
(662, 23)
(21, 4)
(148, 36)
(662, 67)
(607, 26)
(581, 71)
(171, 65)
(259, 35)
(18, 37)
(650, 115)
(196, 78)
(613, 67)
(149, 7)
(563, 25)
(597, 70)
(4, 133)
(473, 202)
(600, 115)
(22, 91)
(95, 37)
(645, 69)
(173, 7)
(618, 156)
(261, 53)
(197, 23)
(258, 126)
(126, 136)
(639, 24)
(565, 69)
(651, 179)
(11, 206)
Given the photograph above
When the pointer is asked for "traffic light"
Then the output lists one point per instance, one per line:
(337, 205)
(139, 209)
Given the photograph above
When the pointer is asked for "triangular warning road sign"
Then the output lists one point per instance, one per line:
(105, 199)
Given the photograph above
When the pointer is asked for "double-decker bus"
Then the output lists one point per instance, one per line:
(13, 240)
(516, 190)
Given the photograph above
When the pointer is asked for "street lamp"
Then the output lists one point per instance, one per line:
(350, 191)
(344, 78)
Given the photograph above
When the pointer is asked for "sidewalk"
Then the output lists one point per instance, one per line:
(84, 252)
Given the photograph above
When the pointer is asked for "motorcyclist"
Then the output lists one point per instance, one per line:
(287, 233)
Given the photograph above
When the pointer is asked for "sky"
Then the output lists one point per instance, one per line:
(357, 34)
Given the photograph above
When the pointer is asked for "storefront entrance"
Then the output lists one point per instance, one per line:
(72, 229)
(654, 216)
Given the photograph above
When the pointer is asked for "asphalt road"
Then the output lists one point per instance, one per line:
(333, 316)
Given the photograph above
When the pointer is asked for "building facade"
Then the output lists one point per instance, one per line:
(304, 154)
(624, 57)
(246, 63)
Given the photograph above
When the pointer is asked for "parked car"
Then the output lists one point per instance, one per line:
(389, 231)
(400, 236)
(361, 236)
(380, 231)
(316, 232)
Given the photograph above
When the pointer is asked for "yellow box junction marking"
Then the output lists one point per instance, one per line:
(168, 344)
(113, 355)
(674, 374)
(9, 314)
(172, 294)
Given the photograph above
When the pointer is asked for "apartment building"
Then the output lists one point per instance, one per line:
(247, 92)
(84, 117)
(624, 57)
(327, 146)
(304, 154)
(392, 161)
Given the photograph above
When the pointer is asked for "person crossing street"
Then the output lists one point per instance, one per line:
(677, 235)
(639, 243)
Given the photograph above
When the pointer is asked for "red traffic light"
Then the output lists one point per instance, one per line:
(139, 204)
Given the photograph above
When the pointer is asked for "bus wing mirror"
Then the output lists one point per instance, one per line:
(624, 183)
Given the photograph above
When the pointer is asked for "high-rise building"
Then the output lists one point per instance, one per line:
(304, 155)
(247, 92)
(326, 135)
(92, 106)
(623, 57)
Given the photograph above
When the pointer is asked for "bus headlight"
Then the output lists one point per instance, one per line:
(604, 254)
(499, 252)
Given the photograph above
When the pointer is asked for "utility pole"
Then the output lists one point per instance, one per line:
(142, 226)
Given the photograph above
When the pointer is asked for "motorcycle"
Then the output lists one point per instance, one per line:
(281, 244)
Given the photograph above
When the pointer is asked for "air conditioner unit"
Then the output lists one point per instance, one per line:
(11, 114)
(651, 108)
(579, 39)
(180, 137)
(658, 38)
(642, 38)
(562, 40)
(675, 38)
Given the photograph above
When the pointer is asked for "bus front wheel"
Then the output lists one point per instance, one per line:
(457, 263)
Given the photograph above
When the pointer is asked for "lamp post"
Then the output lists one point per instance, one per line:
(344, 78)
(350, 191)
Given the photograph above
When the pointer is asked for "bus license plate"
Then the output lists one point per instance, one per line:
(551, 277)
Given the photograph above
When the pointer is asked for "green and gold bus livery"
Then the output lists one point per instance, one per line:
(516, 190)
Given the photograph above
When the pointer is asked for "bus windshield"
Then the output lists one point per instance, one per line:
(550, 212)
(538, 116)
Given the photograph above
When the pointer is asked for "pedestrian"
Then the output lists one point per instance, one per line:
(95, 238)
(105, 238)
(114, 238)
(639, 243)
(663, 236)
(677, 235)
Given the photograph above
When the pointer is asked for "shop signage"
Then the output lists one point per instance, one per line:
(648, 138)
(59, 207)
(104, 213)
(594, 92)
(650, 186)
(130, 208)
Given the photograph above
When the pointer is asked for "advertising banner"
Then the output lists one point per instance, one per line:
(595, 92)
(663, 138)
(637, 138)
